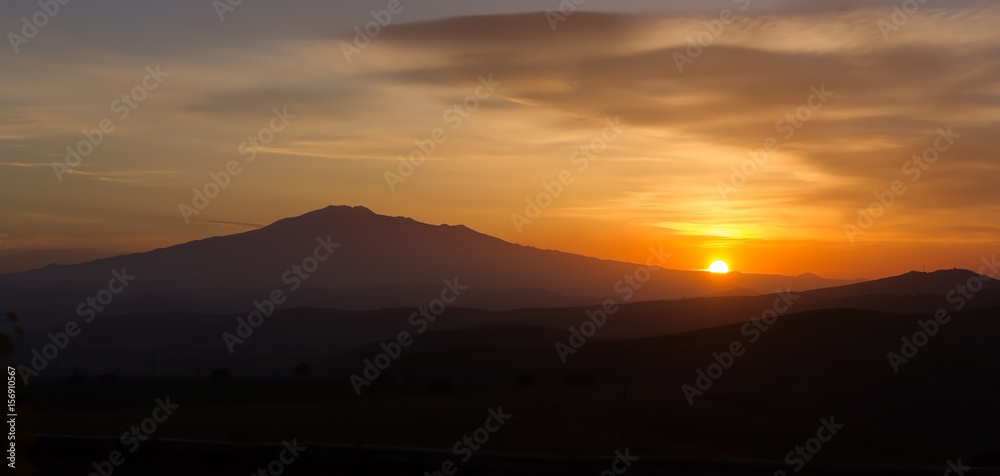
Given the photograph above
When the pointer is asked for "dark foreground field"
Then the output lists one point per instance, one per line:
(170, 457)
(610, 396)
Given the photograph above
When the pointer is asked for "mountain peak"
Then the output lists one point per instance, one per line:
(329, 212)
(361, 215)
(343, 209)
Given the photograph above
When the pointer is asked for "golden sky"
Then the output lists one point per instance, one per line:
(653, 180)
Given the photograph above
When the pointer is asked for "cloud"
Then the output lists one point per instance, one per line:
(685, 130)
(890, 96)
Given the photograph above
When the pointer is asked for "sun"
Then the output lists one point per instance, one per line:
(719, 267)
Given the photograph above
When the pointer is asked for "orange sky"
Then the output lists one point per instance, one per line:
(652, 180)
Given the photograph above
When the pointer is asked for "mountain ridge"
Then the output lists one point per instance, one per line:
(373, 251)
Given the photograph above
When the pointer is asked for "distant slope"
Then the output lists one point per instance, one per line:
(914, 283)
(186, 342)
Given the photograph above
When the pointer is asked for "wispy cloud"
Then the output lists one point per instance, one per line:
(685, 131)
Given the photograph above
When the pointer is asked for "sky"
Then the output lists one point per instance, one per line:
(602, 128)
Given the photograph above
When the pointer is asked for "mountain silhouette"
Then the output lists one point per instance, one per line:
(379, 261)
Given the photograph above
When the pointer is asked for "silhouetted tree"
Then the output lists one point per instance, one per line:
(78, 378)
(580, 380)
(385, 380)
(108, 378)
(302, 370)
(6, 342)
(524, 380)
(220, 374)
(239, 434)
(441, 385)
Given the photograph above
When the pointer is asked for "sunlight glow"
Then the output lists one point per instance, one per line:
(719, 267)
